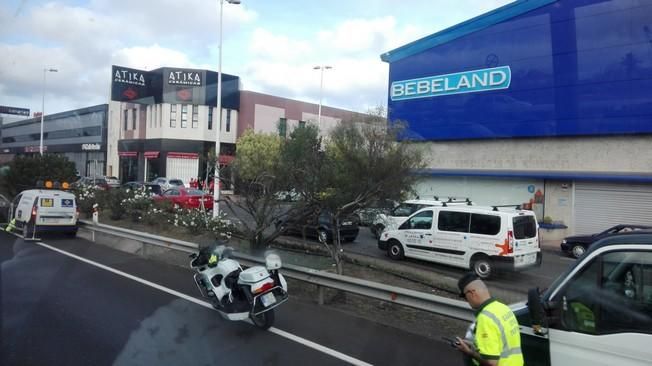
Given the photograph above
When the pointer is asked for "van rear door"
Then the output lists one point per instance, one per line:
(56, 209)
(525, 238)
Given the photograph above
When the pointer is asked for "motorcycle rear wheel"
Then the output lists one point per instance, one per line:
(264, 320)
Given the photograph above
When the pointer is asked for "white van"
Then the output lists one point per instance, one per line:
(37, 211)
(400, 213)
(478, 238)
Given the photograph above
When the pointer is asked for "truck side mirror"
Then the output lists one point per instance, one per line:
(537, 314)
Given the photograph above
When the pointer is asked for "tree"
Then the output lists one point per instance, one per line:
(365, 161)
(25, 171)
(266, 166)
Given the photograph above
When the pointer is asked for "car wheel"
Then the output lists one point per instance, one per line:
(395, 250)
(483, 267)
(577, 250)
(322, 236)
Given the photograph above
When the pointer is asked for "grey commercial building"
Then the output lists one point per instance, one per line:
(78, 134)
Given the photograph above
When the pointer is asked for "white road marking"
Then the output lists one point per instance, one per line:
(282, 333)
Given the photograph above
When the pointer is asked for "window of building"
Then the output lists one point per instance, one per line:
(195, 116)
(302, 124)
(485, 224)
(454, 221)
(282, 127)
(184, 116)
(210, 118)
(54, 135)
(228, 120)
(173, 115)
(134, 113)
(125, 115)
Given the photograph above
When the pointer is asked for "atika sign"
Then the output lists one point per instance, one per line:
(183, 77)
(131, 85)
(457, 83)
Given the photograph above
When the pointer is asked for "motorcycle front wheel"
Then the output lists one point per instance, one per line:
(264, 320)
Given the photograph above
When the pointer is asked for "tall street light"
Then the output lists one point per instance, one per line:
(321, 88)
(216, 174)
(45, 71)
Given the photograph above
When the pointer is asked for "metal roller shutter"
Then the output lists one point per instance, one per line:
(182, 168)
(599, 206)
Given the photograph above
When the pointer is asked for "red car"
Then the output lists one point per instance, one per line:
(187, 197)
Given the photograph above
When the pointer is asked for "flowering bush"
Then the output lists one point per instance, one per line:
(136, 203)
(196, 221)
(86, 198)
(159, 213)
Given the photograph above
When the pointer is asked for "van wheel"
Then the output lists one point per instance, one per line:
(322, 236)
(483, 267)
(29, 231)
(395, 250)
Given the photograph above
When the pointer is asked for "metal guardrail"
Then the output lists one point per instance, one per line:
(392, 294)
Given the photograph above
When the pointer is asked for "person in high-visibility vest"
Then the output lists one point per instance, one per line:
(11, 226)
(496, 338)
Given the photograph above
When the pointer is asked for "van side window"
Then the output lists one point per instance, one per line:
(454, 221)
(613, 295)
(420, 221)
(485, 224)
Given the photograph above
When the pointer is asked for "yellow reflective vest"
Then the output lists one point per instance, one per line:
(11, 226)
(497, 335)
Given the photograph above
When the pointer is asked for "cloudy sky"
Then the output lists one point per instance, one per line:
(271, 45)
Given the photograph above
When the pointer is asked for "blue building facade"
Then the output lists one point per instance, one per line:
(540, 102)
(578, 68)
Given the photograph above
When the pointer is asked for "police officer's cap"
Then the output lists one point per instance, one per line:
(465, 280)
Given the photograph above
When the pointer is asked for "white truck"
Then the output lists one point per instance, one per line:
(36, 211)
(599, 312)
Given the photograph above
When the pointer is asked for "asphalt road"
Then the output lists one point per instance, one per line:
(108, 307)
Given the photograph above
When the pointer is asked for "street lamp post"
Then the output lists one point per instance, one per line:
(321, 88)
(216, 174)
(45, 71)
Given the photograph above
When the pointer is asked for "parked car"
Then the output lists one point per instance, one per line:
(99, 182)
(113, 182)
(5, 205)
(320, 227)
(367, 215)
(578, 244)
(153, 188)
(481, 239)
(167, 183)
(187, 198)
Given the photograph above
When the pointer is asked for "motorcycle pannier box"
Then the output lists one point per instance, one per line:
(253, 274)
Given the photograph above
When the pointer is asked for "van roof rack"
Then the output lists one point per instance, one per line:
(516, 207)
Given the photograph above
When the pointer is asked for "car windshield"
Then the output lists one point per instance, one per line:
(258, 124)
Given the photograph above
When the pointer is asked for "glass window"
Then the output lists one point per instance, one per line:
(525, 227)
(134, 113)
(454, 221)
(302, 123)
(228, 120)
(171, 192)
(195, 116)
(485, 224)
(184, 116)
(173, 115)
(210, 118)
(54, 135)
(420, 221)
(125, 115)
(612, 295)
(405, 209)
(282, 127)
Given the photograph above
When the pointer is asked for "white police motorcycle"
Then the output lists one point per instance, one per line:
(239, 294)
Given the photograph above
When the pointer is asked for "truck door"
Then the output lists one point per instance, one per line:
(605, 310)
